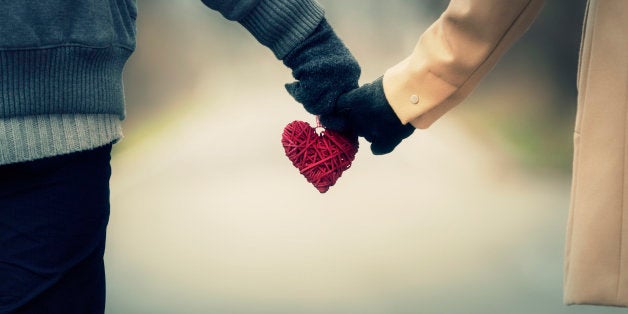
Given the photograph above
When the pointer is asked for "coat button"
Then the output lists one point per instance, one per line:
(414, 99)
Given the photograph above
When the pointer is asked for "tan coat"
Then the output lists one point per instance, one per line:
(463, 45)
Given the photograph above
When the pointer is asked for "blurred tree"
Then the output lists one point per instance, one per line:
(530, 98)
(556, 36)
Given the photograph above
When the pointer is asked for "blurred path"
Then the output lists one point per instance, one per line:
(209, 216)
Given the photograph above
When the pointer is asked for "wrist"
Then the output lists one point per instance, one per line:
(282, 25)
(324, 69)
(366, 112)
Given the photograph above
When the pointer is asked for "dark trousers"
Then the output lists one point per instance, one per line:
(53, 220)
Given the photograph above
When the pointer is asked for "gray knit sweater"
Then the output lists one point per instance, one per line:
(61, 64)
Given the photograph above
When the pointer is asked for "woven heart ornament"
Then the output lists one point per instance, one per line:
(320, 157)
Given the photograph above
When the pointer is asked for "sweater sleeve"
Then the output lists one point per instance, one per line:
(453, 55)
(277, 24)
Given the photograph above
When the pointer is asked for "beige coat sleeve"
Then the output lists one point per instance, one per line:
(453, 55)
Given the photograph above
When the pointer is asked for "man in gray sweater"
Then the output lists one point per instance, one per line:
(61, 107)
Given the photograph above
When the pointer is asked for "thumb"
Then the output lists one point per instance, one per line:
(383, 147)
(309, 96)
(295, 90)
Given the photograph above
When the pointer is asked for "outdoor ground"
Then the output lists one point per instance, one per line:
(209, 216)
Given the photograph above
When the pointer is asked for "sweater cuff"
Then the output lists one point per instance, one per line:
(281, 25)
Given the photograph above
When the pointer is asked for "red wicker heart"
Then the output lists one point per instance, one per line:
(321, 158)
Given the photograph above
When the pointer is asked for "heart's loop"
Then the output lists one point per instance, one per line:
(319, 126)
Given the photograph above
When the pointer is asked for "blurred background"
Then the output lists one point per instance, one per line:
(209, 216)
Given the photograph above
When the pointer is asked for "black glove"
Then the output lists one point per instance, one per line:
(366, 112)
(324, 68)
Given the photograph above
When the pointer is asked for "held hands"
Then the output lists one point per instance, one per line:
(365, 112)
(324, 69)
(327, 85)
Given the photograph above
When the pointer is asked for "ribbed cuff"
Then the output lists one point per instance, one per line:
(35, 137)
(59, 80)
(282, 25)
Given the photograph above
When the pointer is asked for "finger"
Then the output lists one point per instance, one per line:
(334, 122)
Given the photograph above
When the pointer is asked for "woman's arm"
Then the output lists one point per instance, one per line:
(453, 55)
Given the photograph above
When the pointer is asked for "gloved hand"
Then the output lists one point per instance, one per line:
(324, 69)
(366, 112)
